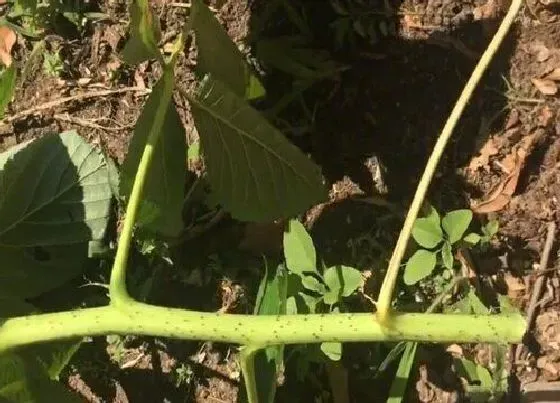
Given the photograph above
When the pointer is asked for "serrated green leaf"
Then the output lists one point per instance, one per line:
(455, 223)
(342, 281)
(219, 56)
(400, 381)
(447, 255)
(419, 266)
(254, 171)
(7, 87)
(427, 232)
(299, 250)
(472, 238)
(55, 198)
(162, 202)
(332, 350)
(145, 34)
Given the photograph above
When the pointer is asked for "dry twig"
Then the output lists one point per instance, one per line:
(188, 5)
(539, 283)
(79, 97)
(88, 123)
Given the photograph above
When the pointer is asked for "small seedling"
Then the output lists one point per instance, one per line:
(437, 237)
(316, 291)
(183, 375)
(53, 64)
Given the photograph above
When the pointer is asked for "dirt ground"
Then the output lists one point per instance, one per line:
(390, 101)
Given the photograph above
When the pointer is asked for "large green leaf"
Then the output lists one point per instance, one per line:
(7, 86)
(144, 34)
(219, 56)
(254, 171)
(162, 204)
(54, 200)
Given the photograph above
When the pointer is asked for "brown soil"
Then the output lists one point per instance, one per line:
(391, 102)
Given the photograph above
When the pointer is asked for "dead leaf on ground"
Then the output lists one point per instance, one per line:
(139, 79)
(515, 286)
(7, 41)
(543, 53)
(455, 350)
(501, 195)
(545, 117)
(513, 163)
(513, 119)
(546, 87)
(554, 75)
(488, 10)
(550, 3)
(481, 161)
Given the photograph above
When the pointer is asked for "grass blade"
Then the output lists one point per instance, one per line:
(400, 382)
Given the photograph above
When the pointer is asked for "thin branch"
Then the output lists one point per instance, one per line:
(386, 292)
(79, 97)
(189, 5)
(539, 283)
(88, 123)
(537, 288)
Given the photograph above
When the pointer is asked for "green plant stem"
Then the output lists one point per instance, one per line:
(386, 292)
(117, 286)
(247, 360)
(143, 319)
